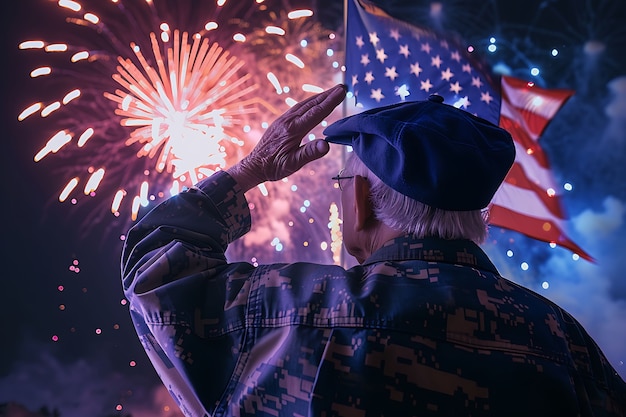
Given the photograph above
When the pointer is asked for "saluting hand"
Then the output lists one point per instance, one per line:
(279, 153)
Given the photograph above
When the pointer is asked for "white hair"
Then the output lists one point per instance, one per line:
(405, 214)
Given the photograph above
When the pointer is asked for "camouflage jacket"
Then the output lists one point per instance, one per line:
(423, 327)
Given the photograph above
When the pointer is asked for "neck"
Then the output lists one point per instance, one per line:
(373, 238)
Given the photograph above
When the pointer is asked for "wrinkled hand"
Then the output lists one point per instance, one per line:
(279, 153)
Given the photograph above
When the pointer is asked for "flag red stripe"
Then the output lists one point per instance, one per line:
(533, 124)
(539, 229)
(553, 93)
(521, 136)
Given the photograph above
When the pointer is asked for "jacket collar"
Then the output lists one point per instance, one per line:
(430, 249)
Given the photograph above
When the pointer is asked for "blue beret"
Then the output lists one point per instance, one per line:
(432, 152)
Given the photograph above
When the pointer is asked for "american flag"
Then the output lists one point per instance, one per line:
(388, 61)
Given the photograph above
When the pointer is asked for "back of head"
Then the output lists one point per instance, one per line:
(408, 215)
(447, 162)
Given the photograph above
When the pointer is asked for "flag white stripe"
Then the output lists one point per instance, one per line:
(537, 174)
(527, 99)
(524, 202)
(511, 112)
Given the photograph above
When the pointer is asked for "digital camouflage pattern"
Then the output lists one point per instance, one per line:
(423, 327)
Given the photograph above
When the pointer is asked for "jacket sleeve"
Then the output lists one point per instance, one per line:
(208, 216)
(184, 297)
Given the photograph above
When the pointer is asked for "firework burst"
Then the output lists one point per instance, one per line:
(185, 102)
(156, 99)
(182, 112)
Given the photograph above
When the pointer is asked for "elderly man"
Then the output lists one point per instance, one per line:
(424, 325)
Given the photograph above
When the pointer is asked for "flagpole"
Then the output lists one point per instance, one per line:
(344, 105)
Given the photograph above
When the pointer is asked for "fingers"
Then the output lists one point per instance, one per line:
(311, 151)
(312, 111)
(278, 154)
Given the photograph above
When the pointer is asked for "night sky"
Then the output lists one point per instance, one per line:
(68, 343)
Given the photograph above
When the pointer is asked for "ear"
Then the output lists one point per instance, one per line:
(362, 204)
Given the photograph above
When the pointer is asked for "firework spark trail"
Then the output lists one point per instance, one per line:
(150, 109)
(295, 49)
